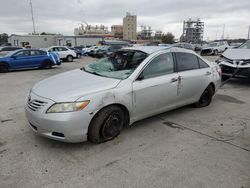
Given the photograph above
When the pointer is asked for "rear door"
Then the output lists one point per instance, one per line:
(195, 76)
(155, 90)
(36, 58)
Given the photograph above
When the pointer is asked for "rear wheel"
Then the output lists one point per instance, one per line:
(47, 65)
(4, 68)
(79, 56)
(206, 97)
(69, 58)
(106, 125)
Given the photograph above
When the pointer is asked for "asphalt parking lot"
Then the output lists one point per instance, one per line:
(188, 147)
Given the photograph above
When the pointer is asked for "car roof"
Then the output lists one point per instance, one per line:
(146, 49)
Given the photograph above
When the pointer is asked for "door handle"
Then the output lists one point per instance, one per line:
(208, 73)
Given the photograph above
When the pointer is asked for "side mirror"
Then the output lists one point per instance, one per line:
(140, 77)
(14, 57)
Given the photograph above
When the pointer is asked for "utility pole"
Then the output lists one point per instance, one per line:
(32, 15)
(248, 37)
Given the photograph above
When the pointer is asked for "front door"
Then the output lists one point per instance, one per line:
(155, 90)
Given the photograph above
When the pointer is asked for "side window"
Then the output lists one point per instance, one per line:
(34, 52)
(42, 52)
(22, 53)
(202, 63)
(62, 49)
(160, 65)
(186, 61)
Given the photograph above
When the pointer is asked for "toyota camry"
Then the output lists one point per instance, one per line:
(95, 102)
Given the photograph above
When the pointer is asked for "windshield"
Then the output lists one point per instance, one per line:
(120, 66)
(246, 45)
(212, 45)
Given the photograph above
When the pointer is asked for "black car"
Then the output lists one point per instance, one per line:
(107, 50)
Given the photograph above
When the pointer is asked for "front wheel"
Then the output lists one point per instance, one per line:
(106, 125)
(205, 98)
(4, 69)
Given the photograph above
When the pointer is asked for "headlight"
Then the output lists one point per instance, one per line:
(68, 107)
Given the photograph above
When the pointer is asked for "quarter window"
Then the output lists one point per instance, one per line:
(161, 65)
(186, 61)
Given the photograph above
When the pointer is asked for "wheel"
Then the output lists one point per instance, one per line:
(46, 65)
(106, 125)
(205, 98)
(69, 58)
(79, 56)
(215, 52)
(4, 68)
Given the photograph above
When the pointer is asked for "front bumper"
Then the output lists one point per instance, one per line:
(207, 52)
(66, 127)
(227, 70)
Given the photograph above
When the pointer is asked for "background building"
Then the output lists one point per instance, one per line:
(91, 29)
(130, 27)
(193, 30)
(117, 31)
(44, 41)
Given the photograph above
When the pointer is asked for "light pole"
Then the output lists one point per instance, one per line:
(32, 15)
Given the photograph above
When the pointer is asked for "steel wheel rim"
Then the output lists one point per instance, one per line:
(111, 126)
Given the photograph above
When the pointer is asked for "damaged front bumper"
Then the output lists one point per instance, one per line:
(228, 69)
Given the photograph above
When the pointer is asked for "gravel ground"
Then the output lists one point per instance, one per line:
(186, 147)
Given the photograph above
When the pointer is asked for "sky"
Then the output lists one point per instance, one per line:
(62, 16)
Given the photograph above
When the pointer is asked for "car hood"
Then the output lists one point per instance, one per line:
(237, 54)
(72, 85)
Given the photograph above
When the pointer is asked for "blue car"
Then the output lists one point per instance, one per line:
(28, 58)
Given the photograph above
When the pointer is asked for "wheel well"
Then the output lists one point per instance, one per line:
(124, 108)
(5, 64)
(213, 86)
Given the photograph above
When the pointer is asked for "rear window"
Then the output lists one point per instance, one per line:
(186, 61)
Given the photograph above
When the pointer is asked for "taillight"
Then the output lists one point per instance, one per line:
(218, 69)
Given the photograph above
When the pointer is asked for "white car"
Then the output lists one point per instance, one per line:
(214, 48)
(65, 53)
(95, 102)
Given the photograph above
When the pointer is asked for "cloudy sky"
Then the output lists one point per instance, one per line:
(61, 16)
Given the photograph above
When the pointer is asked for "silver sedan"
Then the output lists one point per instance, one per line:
(95, 102)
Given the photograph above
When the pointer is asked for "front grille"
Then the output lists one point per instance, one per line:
(36, 105)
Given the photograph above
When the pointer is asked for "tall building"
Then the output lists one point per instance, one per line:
(193, 30)
(130, 27)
